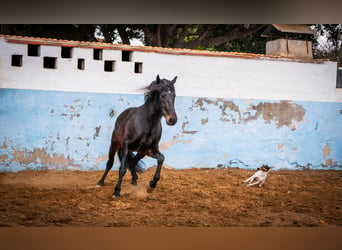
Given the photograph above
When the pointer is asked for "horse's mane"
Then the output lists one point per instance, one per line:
(155, 87)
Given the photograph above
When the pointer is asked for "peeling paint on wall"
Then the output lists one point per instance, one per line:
(100, 159)
(4, 144)
(285, 113)
(3, 158)
(97, 132)
(204, 121)
(326, 150)
(329, 162)
(166, 145)
(187, 131)
(41, 157)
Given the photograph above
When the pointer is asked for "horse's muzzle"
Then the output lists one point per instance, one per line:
(171, 119)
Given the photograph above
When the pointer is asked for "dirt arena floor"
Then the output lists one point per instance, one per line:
(191, 198)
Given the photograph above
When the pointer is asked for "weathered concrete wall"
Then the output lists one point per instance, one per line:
(232, 111)
(71, 130)
(291, 48)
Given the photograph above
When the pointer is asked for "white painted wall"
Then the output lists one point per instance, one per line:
(206, 76)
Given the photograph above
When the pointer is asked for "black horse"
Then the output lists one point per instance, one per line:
(139, 130)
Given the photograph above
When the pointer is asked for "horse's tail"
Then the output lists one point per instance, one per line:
(139, 167)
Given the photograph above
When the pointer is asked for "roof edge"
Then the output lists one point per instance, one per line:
(141, 48)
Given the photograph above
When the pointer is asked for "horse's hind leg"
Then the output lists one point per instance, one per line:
(109, 165)
(133, 167)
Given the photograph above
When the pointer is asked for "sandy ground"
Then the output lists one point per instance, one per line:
(193, 197)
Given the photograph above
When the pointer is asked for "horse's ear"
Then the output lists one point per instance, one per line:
(174, 80)
(158, 79)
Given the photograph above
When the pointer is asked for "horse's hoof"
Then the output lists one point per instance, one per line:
(115, 195)
(100, 184)
(153, 184)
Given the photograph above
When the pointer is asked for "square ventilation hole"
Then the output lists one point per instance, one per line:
(33, 50)
(50, 63)
(17, 60)
(66, 52)
(126, 56)
(138, 67)
(97, 54)
(80, 63)
(109, 66)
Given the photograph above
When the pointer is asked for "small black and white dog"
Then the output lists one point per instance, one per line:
(259, 177)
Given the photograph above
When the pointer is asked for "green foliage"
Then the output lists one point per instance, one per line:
(254, 43)
(83, 32)
(215, 37)
(332, 48)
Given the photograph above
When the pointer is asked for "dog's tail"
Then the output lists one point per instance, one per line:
(247, 180)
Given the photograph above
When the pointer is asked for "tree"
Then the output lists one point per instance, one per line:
(196, 36)
(253, 43)
(82, 32)
(331, 48)
(190, 36)
(180, 35)
(123, 32)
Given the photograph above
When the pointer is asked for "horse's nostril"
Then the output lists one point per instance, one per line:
(172, 120)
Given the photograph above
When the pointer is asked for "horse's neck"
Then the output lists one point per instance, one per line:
(152, 109)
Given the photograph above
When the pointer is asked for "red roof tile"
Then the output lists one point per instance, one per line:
(174, 51)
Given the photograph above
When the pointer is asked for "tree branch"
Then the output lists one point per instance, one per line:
(238, 32)
(158, 42)
(180, 40)
(208, 30)
(123, 34)
(149, 36)
(87, 30)
(167, 34)
(105, 32)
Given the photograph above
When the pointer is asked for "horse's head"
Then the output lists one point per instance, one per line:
(167, 100)
(165, 92)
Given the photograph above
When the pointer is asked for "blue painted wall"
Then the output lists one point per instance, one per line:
(72, 130)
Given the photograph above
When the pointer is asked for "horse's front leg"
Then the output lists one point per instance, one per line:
(160, 159)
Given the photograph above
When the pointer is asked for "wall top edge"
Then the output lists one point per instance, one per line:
(141, 48)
